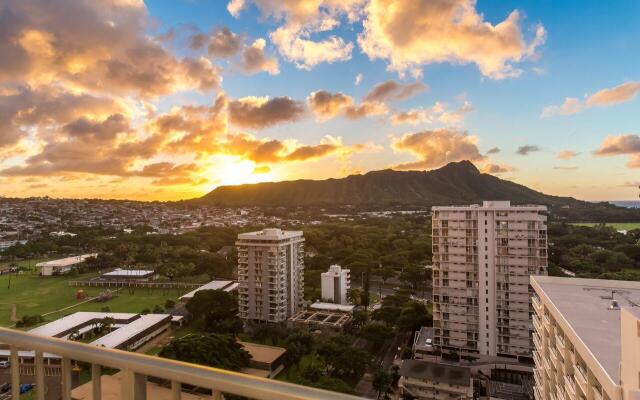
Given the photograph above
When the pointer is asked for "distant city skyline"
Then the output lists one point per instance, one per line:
(158, 100)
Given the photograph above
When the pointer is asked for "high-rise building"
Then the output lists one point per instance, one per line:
(587, 339)
(335, 283)
(270, 274)
(482, 259)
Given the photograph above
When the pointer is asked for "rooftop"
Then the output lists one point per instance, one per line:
(435, 372)
(227, 286)
(584, 304)
(121, 335)
(129, 272)
(60, 326)
(63, 262)
(270, 234)
(332, 307)
(493, 205)
(263, 353)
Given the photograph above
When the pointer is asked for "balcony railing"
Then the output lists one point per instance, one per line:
(137, 367)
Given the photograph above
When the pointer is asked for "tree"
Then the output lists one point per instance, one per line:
(298, 345)
(376, 334)
(214, 350)
(354, 295)
(345, 361)
(413, 316)
(359, 318)
(382, 381)
(215, 311)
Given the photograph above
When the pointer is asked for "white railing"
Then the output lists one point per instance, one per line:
(136, 367)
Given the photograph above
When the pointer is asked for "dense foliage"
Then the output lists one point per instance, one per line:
(214, 350)
(599, 252)
(215, 311)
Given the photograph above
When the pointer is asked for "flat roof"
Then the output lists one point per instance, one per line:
(61, 325)
(584, 306)
(121, 335)
(424, 333)
(129, 272)
(492, 205)
(64, 262)
(227, 286)
(263, 353)
(270, 234)
(435, 372)
(332, 307)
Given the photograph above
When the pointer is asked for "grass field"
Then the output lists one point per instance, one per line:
(36, 295)
(620, 226)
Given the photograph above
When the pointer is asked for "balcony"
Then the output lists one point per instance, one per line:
(570, 385)
(581, 378)
(137, 367)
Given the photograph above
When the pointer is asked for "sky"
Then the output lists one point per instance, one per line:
(167, 100)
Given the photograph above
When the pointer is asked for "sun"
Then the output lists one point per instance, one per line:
(228, 170)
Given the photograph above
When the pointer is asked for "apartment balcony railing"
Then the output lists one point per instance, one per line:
(137, 367)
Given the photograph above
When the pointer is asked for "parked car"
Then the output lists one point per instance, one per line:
(25, 387)
(5, 387)
(5, 364)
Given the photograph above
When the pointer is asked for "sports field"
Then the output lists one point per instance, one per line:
(36, 295)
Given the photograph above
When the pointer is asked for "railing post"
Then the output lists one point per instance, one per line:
(66, 379)
(40, 387)
(133, 385)
(14, 359)
(216, 394)
(176, 390)
(96, 381)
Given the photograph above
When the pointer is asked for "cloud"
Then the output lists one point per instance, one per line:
(326, 105)
(436, 147)
(392, 91)
(262, 112)
(493, 150)
(616, 95)
(436, 113)
(45, 108)
(359, 79)
(302, 19)
(255, 60)
(565, 168)
(412, 34)
(496, 169)
(93, 45)
(222, 43)
(602, 98)
(570, 106)
(566, 154)
(526, 149)
(626, 144)
(271, 151)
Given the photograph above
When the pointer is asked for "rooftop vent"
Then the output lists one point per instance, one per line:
(614, 305)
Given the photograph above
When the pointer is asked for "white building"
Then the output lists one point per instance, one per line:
(270, 274)
(227, 286)
(335, 284)
(587, 338)
(63, 265)
(425, 380)
(482, 259)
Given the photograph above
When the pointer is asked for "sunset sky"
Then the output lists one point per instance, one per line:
(168, 99)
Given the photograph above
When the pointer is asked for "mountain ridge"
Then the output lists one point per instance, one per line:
(455, 183)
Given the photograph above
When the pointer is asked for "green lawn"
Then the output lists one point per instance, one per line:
(34, 295)
(620, 226)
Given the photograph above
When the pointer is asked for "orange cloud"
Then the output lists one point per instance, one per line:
(566, 155)
(496, 169)
(436, 148)
(93, 45)
(255, 60)
(627, 144)
(436, 113)
(410, 34)
(327, 105)
(602, 98)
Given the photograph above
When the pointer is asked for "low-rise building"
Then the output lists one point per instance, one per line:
(121, 274)
(587, 338)
(423, 343)
(227, 286)
(63, 265)
(324, 316)
(426, 380)
(335, 283)
(266, 361)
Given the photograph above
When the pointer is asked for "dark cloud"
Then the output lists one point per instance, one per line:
(526, 149)
(392, 90)
(258, 113)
